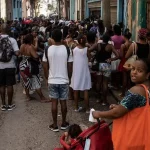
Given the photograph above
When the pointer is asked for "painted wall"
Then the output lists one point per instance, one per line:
(72, 9)
(17, 8)
(136, 16)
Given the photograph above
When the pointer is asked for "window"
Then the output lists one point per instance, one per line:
(17, 4)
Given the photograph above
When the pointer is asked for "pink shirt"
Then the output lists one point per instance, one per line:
(118, 41)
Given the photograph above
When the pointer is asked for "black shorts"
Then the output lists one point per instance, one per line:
(7, 77)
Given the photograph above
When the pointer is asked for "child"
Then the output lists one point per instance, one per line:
(73, 132)
(81, 78)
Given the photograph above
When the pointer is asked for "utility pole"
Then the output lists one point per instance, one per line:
(106, 17)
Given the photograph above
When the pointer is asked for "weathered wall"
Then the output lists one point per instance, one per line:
(136, 16)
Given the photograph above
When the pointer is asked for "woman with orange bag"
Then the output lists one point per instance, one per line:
(131, 125)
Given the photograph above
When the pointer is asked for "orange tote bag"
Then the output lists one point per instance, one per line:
(132, 131)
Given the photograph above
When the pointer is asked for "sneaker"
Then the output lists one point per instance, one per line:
(79, 109)
(11, 107)
(65, 126)
(51, 127)
(3, 107)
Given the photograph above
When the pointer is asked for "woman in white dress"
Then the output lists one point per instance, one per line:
(81, 78)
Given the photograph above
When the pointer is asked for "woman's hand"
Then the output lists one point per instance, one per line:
(36, 39)
(95, 114)
(108, 61)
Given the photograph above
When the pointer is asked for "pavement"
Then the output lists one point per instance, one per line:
(26, 127)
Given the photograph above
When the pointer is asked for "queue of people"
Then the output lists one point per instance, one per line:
(80, 56)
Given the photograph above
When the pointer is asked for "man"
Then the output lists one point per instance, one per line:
(7, 72)
(57, 57)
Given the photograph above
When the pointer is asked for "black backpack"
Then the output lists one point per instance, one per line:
(6, 49)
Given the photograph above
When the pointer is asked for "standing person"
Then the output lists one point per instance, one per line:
(55, 69)
(141, 47)
(124, 48)
(81, 78)
(100, 29)
(118, 41)
(104, 60)
(7, 68)
(29, 80)
(131, 117)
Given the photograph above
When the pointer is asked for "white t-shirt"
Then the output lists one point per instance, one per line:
(58, 58)
(11, 63)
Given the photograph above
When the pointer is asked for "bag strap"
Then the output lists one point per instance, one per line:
(68, 51)
(46, 55)
(147, 94)
(135, 48)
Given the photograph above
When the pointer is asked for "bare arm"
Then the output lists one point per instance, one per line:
(122, 51)
(33, 52)
(46, 68)
(92, 48)
(130, 51)
(115, 52)
(117, 111)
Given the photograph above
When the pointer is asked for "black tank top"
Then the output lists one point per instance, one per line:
(102, 55)
(142, 50)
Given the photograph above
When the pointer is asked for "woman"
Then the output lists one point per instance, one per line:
(81, 78)
(131, 126)
(124, 48)
(118, 41)
(141, 47)
(30, 81)
(100, 30)
(103, 58)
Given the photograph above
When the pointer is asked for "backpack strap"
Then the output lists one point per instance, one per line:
(46, 54)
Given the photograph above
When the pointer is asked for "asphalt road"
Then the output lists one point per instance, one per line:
(26, 127)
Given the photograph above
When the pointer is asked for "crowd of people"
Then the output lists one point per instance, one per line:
(77, 56)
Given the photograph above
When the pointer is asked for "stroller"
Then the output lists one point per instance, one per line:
(100, 137)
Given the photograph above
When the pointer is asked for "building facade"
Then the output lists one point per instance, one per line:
(77, 9)
(94, 8)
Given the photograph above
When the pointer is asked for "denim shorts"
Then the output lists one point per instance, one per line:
(58, 91)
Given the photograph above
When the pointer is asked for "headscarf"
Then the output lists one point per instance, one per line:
(142, 33)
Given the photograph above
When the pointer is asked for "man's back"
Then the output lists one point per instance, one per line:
(57, 57)
(11, 63)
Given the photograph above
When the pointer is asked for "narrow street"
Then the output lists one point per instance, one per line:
(26, 127)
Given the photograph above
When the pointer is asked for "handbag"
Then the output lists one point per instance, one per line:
(34, 66)
(129, 63)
